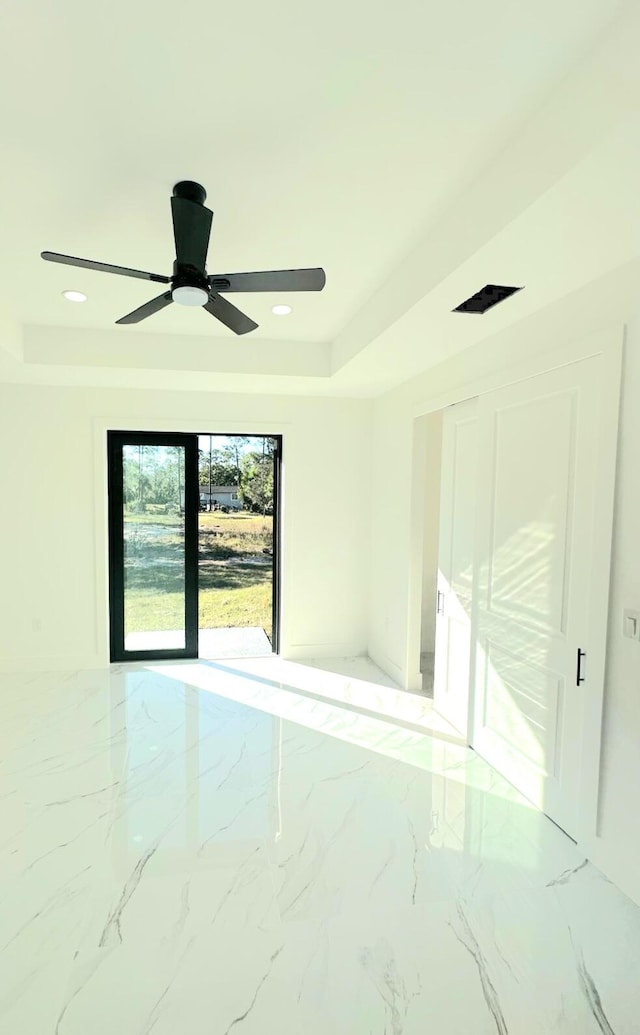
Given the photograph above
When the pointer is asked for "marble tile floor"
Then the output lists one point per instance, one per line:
(193, 848)
(354, 683)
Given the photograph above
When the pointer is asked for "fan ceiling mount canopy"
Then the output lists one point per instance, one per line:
(190, 284)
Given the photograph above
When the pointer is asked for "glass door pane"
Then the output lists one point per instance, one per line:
(153, 545)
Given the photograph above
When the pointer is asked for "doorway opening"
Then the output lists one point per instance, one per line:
(237, 599)
(194, 526)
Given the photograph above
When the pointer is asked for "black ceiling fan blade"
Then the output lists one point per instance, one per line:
(191, 231)
(103, 267)
(229, 315)
(148, 309)
(270, 280)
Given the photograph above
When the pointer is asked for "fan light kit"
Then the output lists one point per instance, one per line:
(281, 310)
(190, 284)
(189, 295)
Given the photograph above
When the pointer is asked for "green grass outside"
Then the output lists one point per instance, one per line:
(234, 589)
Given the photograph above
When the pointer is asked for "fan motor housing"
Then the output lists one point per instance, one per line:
(190, 191)
(188, 276)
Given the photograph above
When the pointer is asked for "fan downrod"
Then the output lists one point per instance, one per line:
(190, 191)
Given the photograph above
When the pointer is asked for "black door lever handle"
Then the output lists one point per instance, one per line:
(579, 677)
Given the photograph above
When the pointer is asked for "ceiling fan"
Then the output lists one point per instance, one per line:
(190, 283)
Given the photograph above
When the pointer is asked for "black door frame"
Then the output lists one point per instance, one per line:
(189, 441)
(275, 577)
(116, 440)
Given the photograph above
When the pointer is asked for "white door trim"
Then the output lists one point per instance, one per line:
(609, 339)
(610, 385)
(453, 702)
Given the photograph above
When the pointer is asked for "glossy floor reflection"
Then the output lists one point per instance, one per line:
(194, 847)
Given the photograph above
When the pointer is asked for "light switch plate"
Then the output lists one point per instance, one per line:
(631, 624)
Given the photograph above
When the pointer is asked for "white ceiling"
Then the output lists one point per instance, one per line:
(351, 138)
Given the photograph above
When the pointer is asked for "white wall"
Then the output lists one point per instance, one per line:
(432, 427)
(551, 338)
(53, 591)
(391, 554)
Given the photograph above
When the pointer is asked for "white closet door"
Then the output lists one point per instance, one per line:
(456, 563)
(538, 484)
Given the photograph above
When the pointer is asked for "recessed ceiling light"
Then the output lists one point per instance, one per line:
(281, 310)
(74, 296)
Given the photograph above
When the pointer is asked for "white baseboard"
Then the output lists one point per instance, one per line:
(414, 680)
(60, 663)
(306, 651)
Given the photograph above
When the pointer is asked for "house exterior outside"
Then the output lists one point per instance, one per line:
(220, 496)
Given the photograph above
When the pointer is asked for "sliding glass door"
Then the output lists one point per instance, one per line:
(194, 533)
(153, 545)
